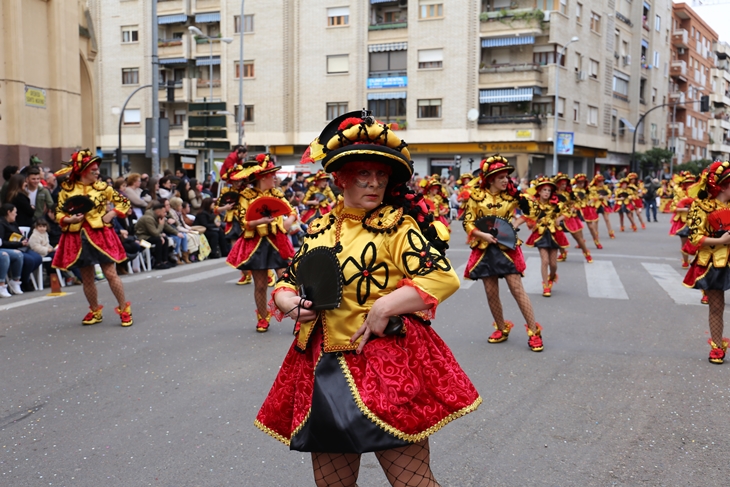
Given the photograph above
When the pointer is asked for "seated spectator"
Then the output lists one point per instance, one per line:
(129, 241)
(206, 190)
(13, 239)
(152, 228)
(17, 195)
(152, 187)
(133, 192)
(11, 265)
(203, 246)
(213, 231)
(8, 172)
(40, 198)
(179, 242)
(190, 240)
(195, 197)
(39, 242)
(165, 189)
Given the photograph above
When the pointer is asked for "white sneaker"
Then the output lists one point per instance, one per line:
(14, 287)
(4, 292)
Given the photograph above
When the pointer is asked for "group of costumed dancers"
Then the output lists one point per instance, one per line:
(366, 371)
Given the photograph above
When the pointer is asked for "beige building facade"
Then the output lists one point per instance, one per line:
(461, 78)
(719, 123)
(47, 85)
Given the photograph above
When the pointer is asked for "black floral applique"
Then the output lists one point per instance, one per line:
(428, 261)
(366, 269)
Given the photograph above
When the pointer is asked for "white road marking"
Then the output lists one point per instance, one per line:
(199, 276)
(603, 280)
(30, 301)
(466, 283)
(174, 270)
(532, 282)
(671, 281)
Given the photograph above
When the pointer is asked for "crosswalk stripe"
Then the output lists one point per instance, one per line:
(466, 283)
(603, 280)
(532, 282)
(671, 281)
(26, 302)
(199, 276)
(174, 270)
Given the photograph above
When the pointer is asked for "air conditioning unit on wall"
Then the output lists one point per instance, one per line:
(580, 76)
(627, 60)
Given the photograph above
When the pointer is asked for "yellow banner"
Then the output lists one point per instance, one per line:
(35, 97)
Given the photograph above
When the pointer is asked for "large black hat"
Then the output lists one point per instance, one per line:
(358, 137)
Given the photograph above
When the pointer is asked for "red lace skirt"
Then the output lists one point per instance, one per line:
(548, 240)
(259, 253)
(95, 246)
(589, 214)
(676, 227)
(707, 277)
(400, 390)
(573, 224)
(638, 203)
(494, 261)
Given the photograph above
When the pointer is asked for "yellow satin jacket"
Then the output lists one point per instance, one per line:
(545, 215)
(483, 203)
(328, 201)
(100, 193)
(379, 251)
(699, 229)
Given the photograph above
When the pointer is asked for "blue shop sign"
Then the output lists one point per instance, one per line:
(565, 143)
(392, 82)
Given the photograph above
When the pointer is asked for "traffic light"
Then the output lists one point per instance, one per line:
(705, 103)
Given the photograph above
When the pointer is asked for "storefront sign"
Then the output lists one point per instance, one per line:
(35, 97)
(565, 143)
(392, 82)
(523, 134)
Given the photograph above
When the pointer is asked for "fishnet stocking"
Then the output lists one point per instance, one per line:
(608, 222)
(261, 284)
(514, 281)
(408, 466)
(88, 277)
(716, 300)
(548, 259)
(115, 283)
(491, 287)
(336, 469)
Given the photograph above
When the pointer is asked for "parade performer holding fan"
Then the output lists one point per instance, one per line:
(319, 197)
(495, 197)
(600, 194)
(709, 235)
(367, 372)
(624, 203)
(572, 222)
(637, 189)
(229, 203)
(463, 193)
(546, 212)
(437, 200)
(88, 236)
(666, 196)
(264, 243)
(585, 206)
(681, 204)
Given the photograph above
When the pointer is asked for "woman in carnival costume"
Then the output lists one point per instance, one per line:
(340, 392)
(709, 222)
(323, 205)
(624, 203)
(495, 195)
(637, 187)
(264, 243)
(600, 194)
(572, 222)
(437, 200)
(463, 193)
(586, 207)
(545, 212)
(231, 216)
(666, 196)
(89, 239)
(680, 205)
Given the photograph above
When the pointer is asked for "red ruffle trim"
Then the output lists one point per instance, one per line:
(573, 224)
(245, 248)
(589, 214)
(638, 203)
(103, 239)
(430, 301)
(694, 273)
(515, 255)
(676, 226)
(274, 310)
(559, 238)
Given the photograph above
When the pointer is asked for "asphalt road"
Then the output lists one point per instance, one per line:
(622, 395)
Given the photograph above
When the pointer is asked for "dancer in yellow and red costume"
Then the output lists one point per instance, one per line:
(89, 239)
(600, 195)
(666, 196)
(637, 187)
(437, 200)
(709, 224)
(681, 204)
(232, 218)
(319, 197)
(572, 222)
(340, 392)
(264, 243)
(624, 199)
(544, 214)
(585, 204)
(495, 195)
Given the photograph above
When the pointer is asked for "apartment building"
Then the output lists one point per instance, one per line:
(693, 60)
(47, 58)
(720, 99)
(461, 78)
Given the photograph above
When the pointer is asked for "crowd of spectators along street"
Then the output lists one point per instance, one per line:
(174, 216)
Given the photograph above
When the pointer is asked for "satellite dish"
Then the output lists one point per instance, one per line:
(472, 115)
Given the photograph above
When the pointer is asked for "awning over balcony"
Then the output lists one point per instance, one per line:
(645, 43)
(393, 95)
(208, 17)
(174, 60)
(508, 41)
(391, 46)
(627, 124)
(207, 61)
(172, 19)
(373, 2)
(508, 95)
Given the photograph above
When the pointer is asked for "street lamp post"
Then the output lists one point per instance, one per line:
(555, 110)
(239, 122)
(195, 31)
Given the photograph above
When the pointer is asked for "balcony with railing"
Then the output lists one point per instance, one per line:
(178, 47)
(498, 75)
(202, 47)
(206, 5)
(678, 69)
(680, 39)
(201, 89)
(510, 119)
(676, 97)
(182, 90)
(170, 7)
(389, 15)
(506, 22)
(720, 98)
(675, 129)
